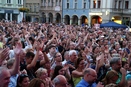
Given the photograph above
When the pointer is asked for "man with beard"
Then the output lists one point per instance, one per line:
(116, 65)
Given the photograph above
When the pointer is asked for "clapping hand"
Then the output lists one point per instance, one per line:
(18, 48)
(4, 54)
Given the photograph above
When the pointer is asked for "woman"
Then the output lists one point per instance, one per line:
(42, 74)
(22, 80)
(60, 70)
(37, 83)
(78, 73)
(111, 77)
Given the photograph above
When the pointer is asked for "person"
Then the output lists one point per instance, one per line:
(60, 81)
(22, 80)
(77, 74)
(89, 79)
(116, 65)
(111, 77)
(4, 77)
(36, 83)
(42, 74)
(60, 70)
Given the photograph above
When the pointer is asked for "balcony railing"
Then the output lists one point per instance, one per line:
(113, 10)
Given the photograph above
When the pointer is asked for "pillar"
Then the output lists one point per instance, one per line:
(10, 16)
(6, 16)
(79, 21)
(70, 21)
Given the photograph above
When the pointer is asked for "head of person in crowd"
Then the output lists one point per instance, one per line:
(72, 46)
(80, 63)
(47, 66)
(66, 55)
(4, 77)
(22, 56)
(111, 77)
(111, 85)
(10, 63)
(29, 57)
(73, 55)
(22, 80)
(116, 46)
(60, 81)
(41, 73)
(52, 49)
(125, 65)
(58, 71)
(90, 75)
(116, 64)
(36, 82)
(4, 63)
(41, 56)
(58, 57)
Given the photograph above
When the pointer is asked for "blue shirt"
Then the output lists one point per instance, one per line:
(83, 83)
(13, 81)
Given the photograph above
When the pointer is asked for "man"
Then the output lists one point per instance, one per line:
(89, 79)
(4, 77)
(60, 81)
(116, 65)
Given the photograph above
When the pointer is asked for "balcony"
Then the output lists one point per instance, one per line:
(113, 10)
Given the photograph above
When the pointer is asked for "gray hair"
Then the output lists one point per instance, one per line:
(86, 71)
(114, 60)
(56, 80)
(71, 52)
(10, 62)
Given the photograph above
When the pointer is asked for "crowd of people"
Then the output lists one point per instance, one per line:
(59, 55)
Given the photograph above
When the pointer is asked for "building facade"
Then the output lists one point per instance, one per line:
(51, 11)
(9, 10)
(75, 11)
(102, 11)
(34, 10)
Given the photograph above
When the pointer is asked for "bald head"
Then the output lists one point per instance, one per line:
(90, 75)
(60, 81)
(88, 71)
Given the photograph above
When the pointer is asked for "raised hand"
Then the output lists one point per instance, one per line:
(4, 54)
(18, 48)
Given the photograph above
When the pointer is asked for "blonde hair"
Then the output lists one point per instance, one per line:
(40, 71)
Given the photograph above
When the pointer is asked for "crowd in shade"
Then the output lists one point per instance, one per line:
(59, 55)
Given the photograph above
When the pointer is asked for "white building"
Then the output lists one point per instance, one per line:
(102, 11)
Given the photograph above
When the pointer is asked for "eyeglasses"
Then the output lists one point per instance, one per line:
(93, 75)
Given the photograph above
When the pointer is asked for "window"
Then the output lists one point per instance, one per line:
(99, 4)
(34, 8)
(52, 3)
(94, 4)
(30, 8)
(67, 4)
(126, 4)
(119, 5)
(84, 4)
(49, 3)
(115, 4)
(44, 3)
(19, 2)
(57, 3)
(8, 1)
(75, 4)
